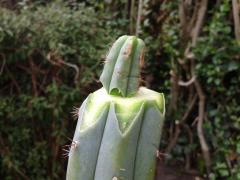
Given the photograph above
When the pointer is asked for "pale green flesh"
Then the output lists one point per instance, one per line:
(125, 108)
(118, 137)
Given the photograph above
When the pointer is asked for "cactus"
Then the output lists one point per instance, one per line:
(119, 126)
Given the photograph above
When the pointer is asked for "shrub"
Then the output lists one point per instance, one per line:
(49, 59)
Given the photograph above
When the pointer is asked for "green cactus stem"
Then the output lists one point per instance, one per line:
(119, 126)
(121, 72)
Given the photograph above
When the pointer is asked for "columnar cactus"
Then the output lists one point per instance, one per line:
(119, 126)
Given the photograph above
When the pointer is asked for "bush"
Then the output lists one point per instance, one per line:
(217, 68)
(49, 62)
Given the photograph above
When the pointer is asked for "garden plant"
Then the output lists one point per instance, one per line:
(119, 126)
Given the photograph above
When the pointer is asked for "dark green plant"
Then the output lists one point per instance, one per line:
(49, 58)
(217, 67)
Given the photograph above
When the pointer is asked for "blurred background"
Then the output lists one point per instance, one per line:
(52, 53)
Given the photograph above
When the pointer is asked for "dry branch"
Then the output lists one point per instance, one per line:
(201, 110)
(200, 119)
(56, 61)
(174, 92)
(13, 80)
(138, 24)
(178, 124)
(75, 67)
(132, 10)
(33, 76)
(188, 83)
(192, 23)
(236, 18)
(3, 63)
(198, 25)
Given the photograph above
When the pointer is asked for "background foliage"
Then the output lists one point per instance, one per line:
(51, 55)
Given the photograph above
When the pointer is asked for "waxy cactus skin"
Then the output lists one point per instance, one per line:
(119, 126)
(121, 72)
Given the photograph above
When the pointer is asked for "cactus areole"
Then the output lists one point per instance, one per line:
(119, 126)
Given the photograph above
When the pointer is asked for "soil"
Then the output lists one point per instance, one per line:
(173, 173)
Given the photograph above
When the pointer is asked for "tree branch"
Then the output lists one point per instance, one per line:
(132, 9)
(138, 24)
(188, 83)
(178, 124)
(174, 92)
(4, 62)
(33, 76)
(200, 118)
(236, 18)
(198, 25)
(13, 80)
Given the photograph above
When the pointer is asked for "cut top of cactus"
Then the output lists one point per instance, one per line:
(126, 109)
